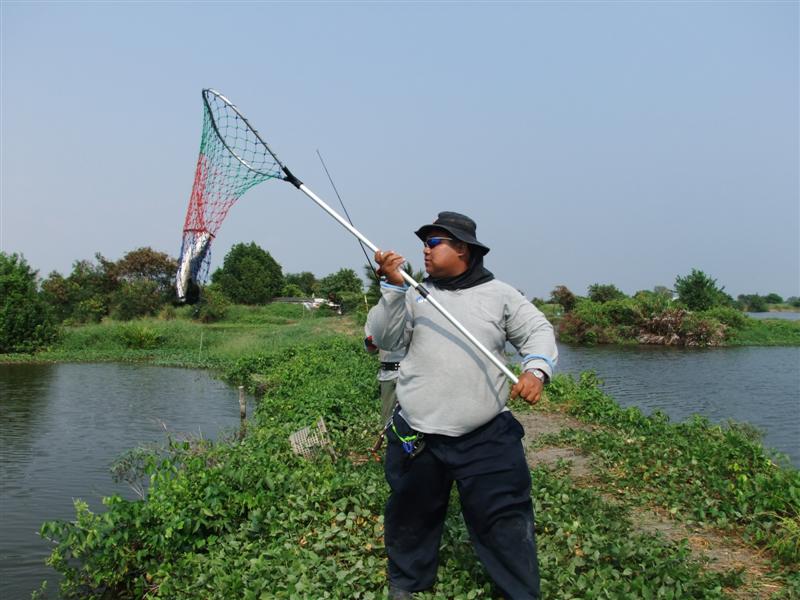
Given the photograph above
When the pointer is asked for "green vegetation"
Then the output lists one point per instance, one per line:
(703, 315)
(180, 340)
(698, 292)
(705, 473)
(26, 322)
(249, 275)
(248, 519)
(770, 302)
(137, 285)
(766, 332)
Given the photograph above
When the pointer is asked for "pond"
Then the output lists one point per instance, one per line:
(756, 385)
(63, 426)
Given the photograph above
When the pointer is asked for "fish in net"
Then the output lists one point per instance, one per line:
(232, 160)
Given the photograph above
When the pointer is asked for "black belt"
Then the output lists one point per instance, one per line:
(390, 366)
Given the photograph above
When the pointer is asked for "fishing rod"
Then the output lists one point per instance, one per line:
(360, 243)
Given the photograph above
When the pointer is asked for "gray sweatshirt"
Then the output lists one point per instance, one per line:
(446, 385)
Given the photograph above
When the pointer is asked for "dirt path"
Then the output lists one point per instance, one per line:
(720, 551)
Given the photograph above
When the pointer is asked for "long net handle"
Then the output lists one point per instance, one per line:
(413, 283)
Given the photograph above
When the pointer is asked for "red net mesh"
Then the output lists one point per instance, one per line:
(232, 160)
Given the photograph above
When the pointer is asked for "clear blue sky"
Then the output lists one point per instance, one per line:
(593, 142)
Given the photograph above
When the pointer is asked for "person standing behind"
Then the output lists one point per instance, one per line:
(387, 375)
(452, 423)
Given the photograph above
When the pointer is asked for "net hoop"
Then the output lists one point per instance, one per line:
(233, 158)
(230, 105)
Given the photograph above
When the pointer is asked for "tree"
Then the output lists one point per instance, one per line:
(305, 281)
(146, 264)
(26, 323)
(662, 290)
(137, 298)
(752, 302)
(291, 290)
(698, 291)
(85, 295)
(604, 292)
(335, 284)
(249, 275)
(374, 289)
(563, 296)
(773, 298)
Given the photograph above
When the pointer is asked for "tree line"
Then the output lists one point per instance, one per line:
(141, 284)
(697, 312)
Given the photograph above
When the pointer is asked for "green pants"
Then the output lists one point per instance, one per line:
(388, 399)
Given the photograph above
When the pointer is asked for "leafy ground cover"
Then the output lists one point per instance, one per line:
(248, 519)
(704, 475)
(766, 332)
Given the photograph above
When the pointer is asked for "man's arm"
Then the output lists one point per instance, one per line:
(532, 335)
(387, 320)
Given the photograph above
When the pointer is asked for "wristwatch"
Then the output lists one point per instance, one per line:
(539, 374)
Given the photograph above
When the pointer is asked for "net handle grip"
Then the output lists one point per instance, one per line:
(408, 278)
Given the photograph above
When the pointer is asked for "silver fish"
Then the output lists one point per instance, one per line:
(190, 262)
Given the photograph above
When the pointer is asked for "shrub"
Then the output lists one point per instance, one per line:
(26, 322)
(351, 301)
(604, 292)
(139, 337)
(212, 305)
(90, 310)
(562, 295)
(134, 299)
(626, 312)
(652, 304)
(249, 275)
(292, 290)
(168, 313)
(700, 330)
(727, 316)
(698, 291)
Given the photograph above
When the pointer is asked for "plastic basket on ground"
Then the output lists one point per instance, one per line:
(309, 440)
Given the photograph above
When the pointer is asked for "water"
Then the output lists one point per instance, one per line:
(757, 385)
(785, 316)
(61, 427)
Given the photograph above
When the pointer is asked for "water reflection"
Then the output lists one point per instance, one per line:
(756, 385)
(63, 426)
(24, 394)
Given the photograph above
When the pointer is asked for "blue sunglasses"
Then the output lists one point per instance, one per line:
(432, 242)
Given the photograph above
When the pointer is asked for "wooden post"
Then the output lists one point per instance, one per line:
(242, 412)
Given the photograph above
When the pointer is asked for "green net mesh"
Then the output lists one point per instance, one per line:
(232, 160)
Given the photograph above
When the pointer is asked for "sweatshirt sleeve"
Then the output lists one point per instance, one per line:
(386, 321)
(532, 335)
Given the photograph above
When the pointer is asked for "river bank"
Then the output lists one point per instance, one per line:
(248, 517)
(652, 320)
(624, 501)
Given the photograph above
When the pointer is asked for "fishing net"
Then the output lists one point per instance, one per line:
(308, 440)
(232, 159)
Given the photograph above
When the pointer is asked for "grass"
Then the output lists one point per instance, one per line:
(249, 519)
(766, 332)
(183, 342)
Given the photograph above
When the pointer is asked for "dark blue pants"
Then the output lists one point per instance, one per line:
(494, 485)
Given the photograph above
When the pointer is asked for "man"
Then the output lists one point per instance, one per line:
(452, 423)
(387, 374)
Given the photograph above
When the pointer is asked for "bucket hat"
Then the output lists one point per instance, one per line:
(459, 226)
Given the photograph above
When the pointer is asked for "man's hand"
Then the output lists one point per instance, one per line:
(529, 388)
(389, 264)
